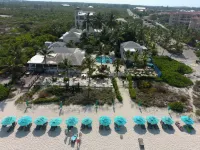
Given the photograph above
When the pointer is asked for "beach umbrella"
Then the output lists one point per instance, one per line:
(55, 122)
(40, 120)
(104, 120)
(24, 121)
(167, 120)
(139, 120)
(71, 121)
(120, 121)
(8, 120)
(187, 120)
(86, 121)
(152, 120)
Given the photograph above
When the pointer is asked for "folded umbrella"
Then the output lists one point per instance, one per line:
(55, 122)
(152, 120)
(25, 120)
(71, 121)
(139, 120)
(120, 121)
(40, 120)
(187, 120)
(104, 120)
(8, 120)
(86, 121)
(167, 120)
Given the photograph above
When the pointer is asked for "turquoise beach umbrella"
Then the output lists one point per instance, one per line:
(167, 120)
(86, 121)
(152, 120)
(187, 120)
(55, 122)
(40, 120)
(8, 120)
(71, 121)
(139, 120)
(104, 120)
(25, 120)
(120, 121)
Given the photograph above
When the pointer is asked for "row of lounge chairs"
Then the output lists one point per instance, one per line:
(101, 127)
(86, 126)
(150, 126)
(43, 127)
(25, 128)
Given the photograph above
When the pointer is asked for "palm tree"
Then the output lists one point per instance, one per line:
(136, 57)
(87, 22)
(89, 63)
(98, 21)
(14, 60)
(101, 51)
(117, 64)
(46, 53)
(128, 54)
(65, 64)
(111, 21)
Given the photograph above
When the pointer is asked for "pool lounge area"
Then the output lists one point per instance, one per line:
(104, 59)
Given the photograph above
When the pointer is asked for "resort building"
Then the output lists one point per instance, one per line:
(132, 47)
(72, 35)
(80, 17)
(189, 19)
(74, 55)
(140, 9)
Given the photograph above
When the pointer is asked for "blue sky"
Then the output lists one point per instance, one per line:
(193, 3)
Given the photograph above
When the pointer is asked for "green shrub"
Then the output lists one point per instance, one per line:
(45, 100)
(176, 106)
(56, 90)
(118, 94)
(197, 112)
(197, 53)
(173, 71)
(101, 76)
(132, 91)
(65, 79)
(54, 79)
(4, 92)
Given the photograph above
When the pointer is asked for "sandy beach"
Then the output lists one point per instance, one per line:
(126, 139)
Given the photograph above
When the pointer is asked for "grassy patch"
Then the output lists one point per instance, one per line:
(104, 96)
(173, 71)
(118, 94)
(158, 95)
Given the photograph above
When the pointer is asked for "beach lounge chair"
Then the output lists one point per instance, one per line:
(170, 127)
(44, 126)
(12, 126)
(28, 127)
(101, 127)
(38, 127)
(20, 128)
(149, 126)
(73, 138)
(156, 126)
(3, 126)
(89, 126)
(141, 143)
(82, 126)
(107, 127)
(179, 126)
(53, 128)
(142, 126)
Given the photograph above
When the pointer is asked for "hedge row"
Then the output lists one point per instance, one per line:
(118, 94)
(45, 100)
(4, 92)
(173, 71)
(132, 91)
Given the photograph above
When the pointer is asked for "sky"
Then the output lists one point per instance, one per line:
(190, 3)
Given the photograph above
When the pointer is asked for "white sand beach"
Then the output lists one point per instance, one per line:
(95, 140)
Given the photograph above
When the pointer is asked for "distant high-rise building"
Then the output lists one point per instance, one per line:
(190, 19)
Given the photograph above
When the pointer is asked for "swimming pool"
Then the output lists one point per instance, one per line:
(104, 59)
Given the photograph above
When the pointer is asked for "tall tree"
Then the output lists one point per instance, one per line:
(65, 64)
(98, 21)
(46, 53)
(89, 63)
(117, 64)
(111, 21)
